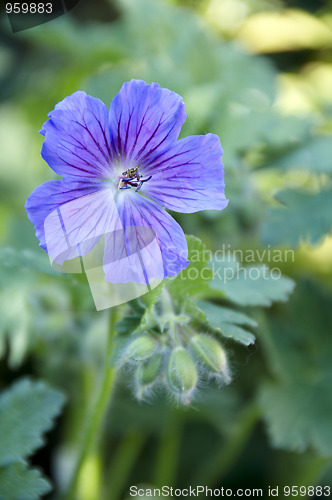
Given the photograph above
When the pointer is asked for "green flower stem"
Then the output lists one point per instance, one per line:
(166, 302)
(168, 453)
(227, 454)
(123, 462)
(96, 413)
(168, 311)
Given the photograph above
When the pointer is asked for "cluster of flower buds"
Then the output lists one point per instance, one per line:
(178, 363)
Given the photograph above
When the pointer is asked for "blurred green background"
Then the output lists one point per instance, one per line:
(258, 73)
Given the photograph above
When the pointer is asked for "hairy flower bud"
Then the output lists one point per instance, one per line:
(209, 352)
(148, 371)
(181, 373)
(141, 348)
(147, 374)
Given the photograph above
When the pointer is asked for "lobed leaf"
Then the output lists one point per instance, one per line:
(303, 217)
(314, 154)
(251, 285)
(298, 414)
(11, 259)
(228, 322)
(297, 403)
(27, 410)
(17, 482)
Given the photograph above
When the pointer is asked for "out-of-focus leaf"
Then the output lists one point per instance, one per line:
(27, 411)
(299, 29)
(17, 482)
(29, 312)
(93, 42)
(194, 280)
(304, 217)
(298, 414)
(228, 322)
(314, 155)
(226, 90)
(297, 404)
(251, 285)
(26, 259)
(15, 324)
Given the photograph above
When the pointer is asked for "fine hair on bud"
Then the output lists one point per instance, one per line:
(212, 357)
(139, 349)
(148, 375)
(181, 375)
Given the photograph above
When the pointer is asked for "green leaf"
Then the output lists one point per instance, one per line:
(29, 313)
(251, 285)
(11, 259)
(149, 300)
(191, 309)
(17, 482)
(71, 40)
(304, 217)
(193, 281)
(128, 324)
(143, 316)
(298, 414)
(16, 319)
(27, 411)
(315, 155)
(297, 403)
(228, 322)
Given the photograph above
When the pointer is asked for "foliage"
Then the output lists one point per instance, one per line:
(296, 405)
(27, 411)
(301, 217)
(228, 322)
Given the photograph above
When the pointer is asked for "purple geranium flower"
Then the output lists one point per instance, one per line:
(120, 167)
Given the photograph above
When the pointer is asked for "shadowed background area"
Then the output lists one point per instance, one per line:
(258, 73)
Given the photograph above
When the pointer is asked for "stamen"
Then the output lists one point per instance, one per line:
(132, 178)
